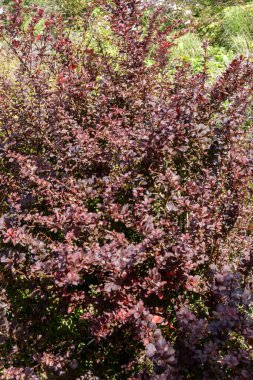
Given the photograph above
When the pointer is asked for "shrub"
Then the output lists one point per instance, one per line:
(189, 48)
(126, 235)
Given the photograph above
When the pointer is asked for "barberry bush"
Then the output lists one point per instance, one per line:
(126, 203)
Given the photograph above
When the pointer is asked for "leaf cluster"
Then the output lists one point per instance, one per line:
(126, 214)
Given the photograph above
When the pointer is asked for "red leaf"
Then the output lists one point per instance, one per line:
(157, 319)
(15, 43)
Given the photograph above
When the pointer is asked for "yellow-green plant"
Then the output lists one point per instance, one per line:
(188, 46)
(236, 28)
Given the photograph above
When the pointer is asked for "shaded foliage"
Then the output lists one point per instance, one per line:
(126, 240)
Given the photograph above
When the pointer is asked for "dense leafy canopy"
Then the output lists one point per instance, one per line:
(126, 215)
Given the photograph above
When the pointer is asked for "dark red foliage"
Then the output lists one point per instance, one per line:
(126, 235)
